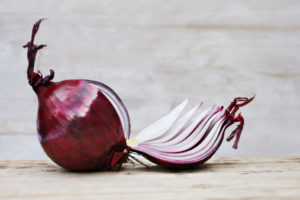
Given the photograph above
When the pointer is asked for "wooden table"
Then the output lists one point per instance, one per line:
(220, 178)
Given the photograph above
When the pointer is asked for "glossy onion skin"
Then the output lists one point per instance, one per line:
(78, 127)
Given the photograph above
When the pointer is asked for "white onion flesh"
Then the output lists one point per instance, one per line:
(184, 138)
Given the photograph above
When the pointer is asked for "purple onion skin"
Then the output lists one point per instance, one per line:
(176, 166)
(78, 127)
(172, 165)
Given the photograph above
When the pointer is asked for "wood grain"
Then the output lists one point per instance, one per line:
(223, 178)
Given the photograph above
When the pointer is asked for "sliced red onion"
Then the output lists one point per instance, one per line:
(158, 128)
(185, 141)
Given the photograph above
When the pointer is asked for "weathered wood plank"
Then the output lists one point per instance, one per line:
(224, 178)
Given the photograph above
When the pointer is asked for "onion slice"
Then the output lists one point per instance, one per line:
(159, 128)
(182, 141)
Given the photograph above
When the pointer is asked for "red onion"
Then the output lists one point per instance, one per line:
(83, 125)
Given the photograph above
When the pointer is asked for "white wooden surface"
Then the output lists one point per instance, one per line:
(155, 54)
(235, 178)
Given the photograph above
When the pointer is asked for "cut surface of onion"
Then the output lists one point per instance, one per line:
(186, 140)
(158, 128)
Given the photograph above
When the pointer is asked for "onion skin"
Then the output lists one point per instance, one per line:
(78, 127)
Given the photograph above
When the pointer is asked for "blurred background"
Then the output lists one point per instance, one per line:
(154, 54)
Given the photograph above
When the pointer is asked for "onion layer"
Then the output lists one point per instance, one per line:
(185, 141)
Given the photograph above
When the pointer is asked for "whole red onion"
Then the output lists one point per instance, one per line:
(83, 125)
